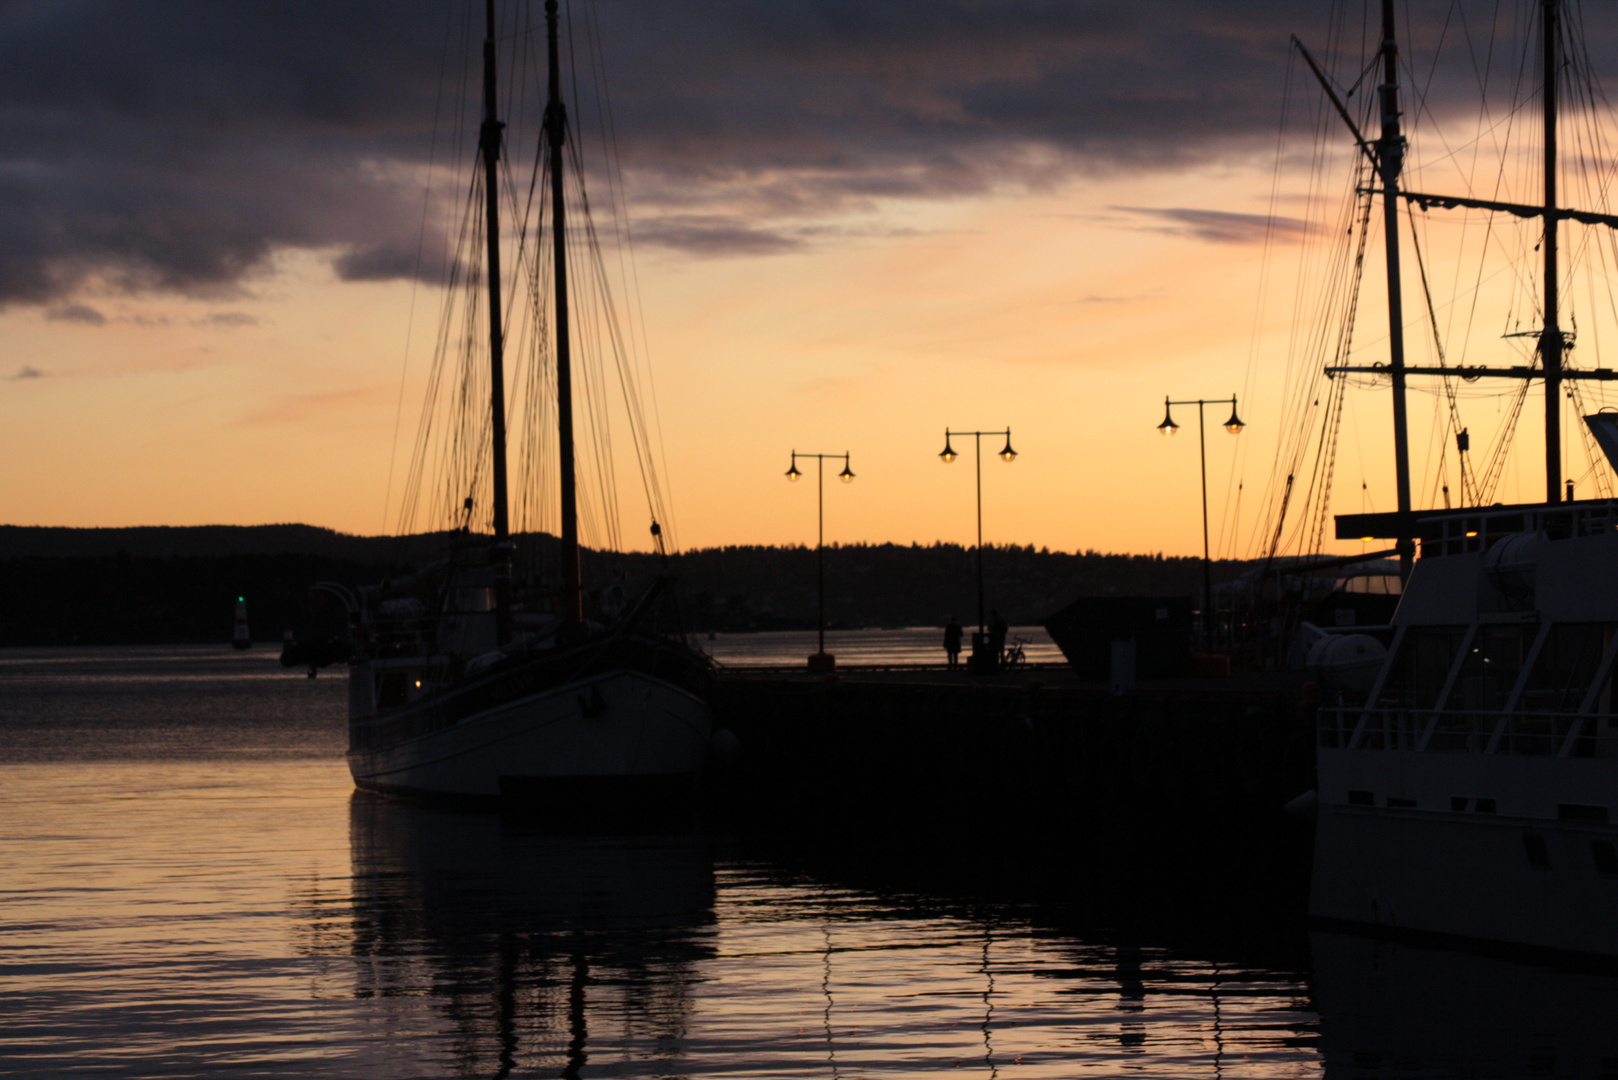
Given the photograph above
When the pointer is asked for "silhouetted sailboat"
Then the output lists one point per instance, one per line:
(465, 682)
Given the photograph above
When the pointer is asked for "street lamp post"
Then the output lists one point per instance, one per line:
(1234, 426)
(822, 660)
(1007, 455)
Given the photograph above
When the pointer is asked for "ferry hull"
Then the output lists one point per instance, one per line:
(619, 731)
(1519, 876)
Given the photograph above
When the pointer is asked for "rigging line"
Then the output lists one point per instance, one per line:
(424, 458)
(420, 456)
(599, 428)
(1235, 523)
(1325, 472)
(1302, 410)
(1438, 342)
(1409, 61)
(1494, 464)
(1326, 450)
(1332, 294)
(1303, 375)
(626, 382)
(1302, 369)
(407, 513)
(638, 427)
(632, 278)
(1482, 77)
(415, 276)
(1592, 451)
(1266, 256)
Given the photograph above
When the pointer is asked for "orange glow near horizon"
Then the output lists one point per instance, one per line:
(1057, 314)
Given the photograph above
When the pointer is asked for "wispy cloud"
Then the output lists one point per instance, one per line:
(708, 234)
(83, 314)
(1216, 226)
(297, 408)
(226, 319)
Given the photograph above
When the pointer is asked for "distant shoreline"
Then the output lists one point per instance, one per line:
(178, 585)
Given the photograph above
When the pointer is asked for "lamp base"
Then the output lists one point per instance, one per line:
(983, 660)
(822, 661)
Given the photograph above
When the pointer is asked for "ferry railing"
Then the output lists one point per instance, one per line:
(1459, 533)
(1530, 734)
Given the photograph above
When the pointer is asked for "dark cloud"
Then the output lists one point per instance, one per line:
(180, 151)
(1219, 226)
(76, 313)
(26, 372)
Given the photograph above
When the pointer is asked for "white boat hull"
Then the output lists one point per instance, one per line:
(615, 727)
(1520, 874)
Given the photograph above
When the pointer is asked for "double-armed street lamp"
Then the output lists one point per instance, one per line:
(1234, 425)
(1007, 455)
(822, 660)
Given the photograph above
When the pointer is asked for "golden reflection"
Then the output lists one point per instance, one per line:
(521, 938)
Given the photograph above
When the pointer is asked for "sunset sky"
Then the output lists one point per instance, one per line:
(856, 224)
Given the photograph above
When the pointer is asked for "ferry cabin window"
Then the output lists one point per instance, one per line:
(1567, 663)
(1370, 584)
(1490, 668)
(1421, 667)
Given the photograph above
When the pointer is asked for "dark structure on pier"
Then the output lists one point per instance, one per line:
(1051, 756)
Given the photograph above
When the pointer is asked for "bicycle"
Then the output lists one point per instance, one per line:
(1012, 657)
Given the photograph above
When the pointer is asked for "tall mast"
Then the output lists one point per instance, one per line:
(489, 144)
(1390, 161)
(556, 134)
(1550, 339)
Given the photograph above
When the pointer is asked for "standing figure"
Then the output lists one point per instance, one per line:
(997, 636)
(952, 642)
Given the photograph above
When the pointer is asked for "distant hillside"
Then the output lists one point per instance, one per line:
(162, 541)
(163, 585)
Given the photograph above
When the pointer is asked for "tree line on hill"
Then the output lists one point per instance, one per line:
(178, 585)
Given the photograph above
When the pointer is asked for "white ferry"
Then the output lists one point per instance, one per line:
(1474, 789)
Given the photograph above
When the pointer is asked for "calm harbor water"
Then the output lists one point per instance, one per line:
(915, 645)
(190, 887)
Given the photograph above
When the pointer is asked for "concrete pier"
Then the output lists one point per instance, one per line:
(1035, 746)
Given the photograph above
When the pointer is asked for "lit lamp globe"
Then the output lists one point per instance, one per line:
(793, 473)
(949, 454)
(1008, 454)
(1234, 425)
(1168, 426)
(847, 475)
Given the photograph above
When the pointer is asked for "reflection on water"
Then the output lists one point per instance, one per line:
(526, 941)
(915, 645)
(642, 955)
(1390, 1009)
(231, 906)
(164, 702)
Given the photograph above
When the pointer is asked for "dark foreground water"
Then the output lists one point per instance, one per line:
(189, 887)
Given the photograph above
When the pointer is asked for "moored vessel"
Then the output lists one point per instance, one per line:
(1468, 787)
(476, 676)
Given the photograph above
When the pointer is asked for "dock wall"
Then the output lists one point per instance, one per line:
(986, 753)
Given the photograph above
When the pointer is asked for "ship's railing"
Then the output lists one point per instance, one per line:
(1478, 530)
(1539, 734)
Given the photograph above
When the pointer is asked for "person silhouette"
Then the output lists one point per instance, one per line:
(952, 642)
